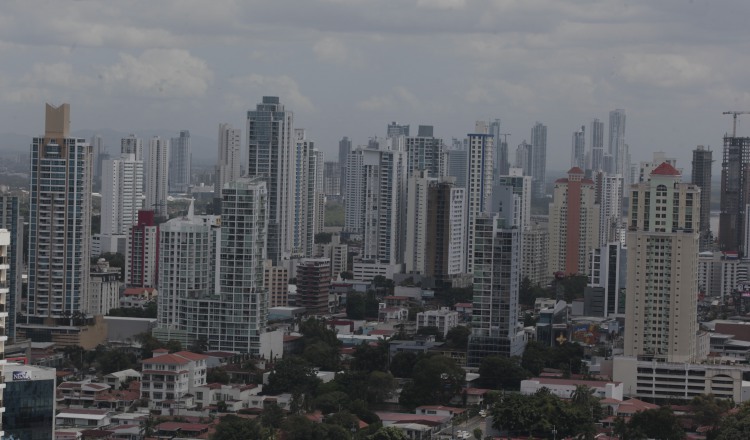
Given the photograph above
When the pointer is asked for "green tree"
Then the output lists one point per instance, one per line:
(734, 426)
(173, 346)
(435, 380)
(708, 410)
(332, 402)
(231, 427)
(380, 386)
(402, 364)
(534, 357)
(315, 330)
(430, 330)
(478, 433)
(347, 275)
(355, 306)
(457, 338)
(293, 375)
(368, 357)
(217, 375)
(116, 360)
(659, 423)
(272, 416)
(388, 433)
(501, 373)
(322, 355)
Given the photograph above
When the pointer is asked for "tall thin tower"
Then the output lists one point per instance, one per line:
(180, 163)
(157, 179)
(701, 176)
(479, 187)
(578, 149)
(270, 139)
(59, 220)
(230, 157)
(735, 192)
(597, 145)
(539, 159)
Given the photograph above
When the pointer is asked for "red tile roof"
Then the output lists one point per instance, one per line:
(665, 169)
(192, 356)
(167, 359)
(575, 170)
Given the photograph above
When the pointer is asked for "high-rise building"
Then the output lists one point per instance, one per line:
(539, 160)
(331, 179)
(605, 294)
(305, 193)
(187, 263)
(345, 146)
(578, 149)
(395, 129)
(645, 169)
(122, 194)
(479, 187)
(523, 158)
(5, 273)
(142, 252)
(376, 199)
(435, 229)
(617, 148)
(132, 145)
(211, 286)
(573, 223)
(425, 152)
(608, 189)
(520, 186)
(597, 145)
(180, 163)
(662, 289)
(495, 303)
(313, 285)
(11, 220)
(276, 281)
(157, 178)
(701, 176)
(457, 166)
(502, 165)
(99, 152)
(735, 192)
(104, 288)
(271, 156)
(534, 254)
(59, 221)
(229, 163)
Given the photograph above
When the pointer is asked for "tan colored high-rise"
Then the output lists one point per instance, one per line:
(662, 280)
(573, 223)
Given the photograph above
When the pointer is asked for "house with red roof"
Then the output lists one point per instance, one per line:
(169, 379)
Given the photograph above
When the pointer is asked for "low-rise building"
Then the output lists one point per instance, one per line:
(84, 418)
(235, 396)
(444, 319)
(565, 388)
(169, 379)
(104, 288)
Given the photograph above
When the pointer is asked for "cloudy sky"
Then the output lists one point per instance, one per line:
(348, 67)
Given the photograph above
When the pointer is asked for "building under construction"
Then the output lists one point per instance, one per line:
(735, 193)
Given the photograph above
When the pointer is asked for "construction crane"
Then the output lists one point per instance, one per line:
(734, 122)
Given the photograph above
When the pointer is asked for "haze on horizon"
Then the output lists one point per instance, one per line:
(348, 67)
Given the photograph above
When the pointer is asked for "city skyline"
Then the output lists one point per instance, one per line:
(516, 62)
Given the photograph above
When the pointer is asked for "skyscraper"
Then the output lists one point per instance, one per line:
(520, 186)
(523, 158)
(4, 291)
(605, 293)
(735, 192)
(59, 220)
(122, 194)
(539, 159)
(597, 145)
(228, 167)
(573, 223)
(501, 149)
(495, 314)
(479, 186)
(99, 156)
(313, 285)
(180, 163)
(157, 178)
(142, 252)
(578, 149)
(132, 145)
(457, 166)
(395, 129)
(11, 220)
(271, 156)
(308, 191)
(662, 290)
(425, 152)
(617, 142)
(608, 189)
(445, 251)
(345, 146)
(701, 176)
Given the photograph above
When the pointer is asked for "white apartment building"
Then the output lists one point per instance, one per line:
(271, 155)
(104, 288)
(169, 379)
(444, 319)
(4, 281)
(230, 156)
(719, 273)
(565, 388)
(609, 198)
(663, 244)
(534, 252)
(479, 185)
(416, 223)
(157, 177)
(122, 194)
(520, 185)
(59, 220)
